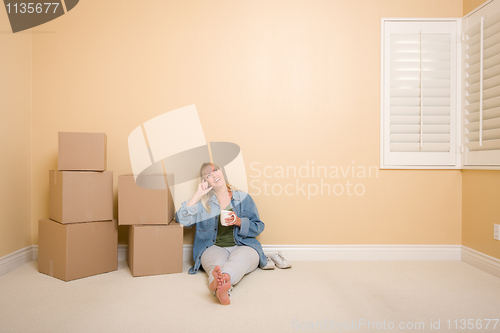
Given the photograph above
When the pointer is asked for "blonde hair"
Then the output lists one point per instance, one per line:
(211, 193)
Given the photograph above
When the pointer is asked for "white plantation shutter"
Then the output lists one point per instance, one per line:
(419, 94)
(481, 87)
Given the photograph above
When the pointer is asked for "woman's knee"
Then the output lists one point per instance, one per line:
(245, 256)
(214, 256)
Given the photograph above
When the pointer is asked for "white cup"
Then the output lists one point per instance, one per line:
(224, 214)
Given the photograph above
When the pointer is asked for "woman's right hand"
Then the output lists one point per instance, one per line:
(200, 192)
(203, 188)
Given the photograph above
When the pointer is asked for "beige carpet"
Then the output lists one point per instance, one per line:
(309, 297)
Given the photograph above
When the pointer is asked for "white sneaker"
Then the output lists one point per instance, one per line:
(280, 261)
(270, 263)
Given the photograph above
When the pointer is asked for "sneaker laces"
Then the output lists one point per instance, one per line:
(270, 262)
(281, 257)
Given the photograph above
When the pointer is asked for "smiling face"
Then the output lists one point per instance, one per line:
(214, 176)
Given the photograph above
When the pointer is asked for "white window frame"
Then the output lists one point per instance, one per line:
(487, 160)
(385, 131)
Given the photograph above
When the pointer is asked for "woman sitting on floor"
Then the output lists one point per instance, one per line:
(226, 253)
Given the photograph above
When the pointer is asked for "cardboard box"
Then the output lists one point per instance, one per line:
(79, 196)
(155, 249)
(138, 205)
(74, 251)
(82, 151)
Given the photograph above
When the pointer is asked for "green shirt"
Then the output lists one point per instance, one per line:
(225, 236)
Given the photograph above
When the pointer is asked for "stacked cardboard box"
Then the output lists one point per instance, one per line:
(80, 238)
(155, 238)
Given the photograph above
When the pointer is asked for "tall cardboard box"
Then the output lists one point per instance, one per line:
(155, 249)
(82, 151)
(80, 196)
(151, 205)
(74, 251)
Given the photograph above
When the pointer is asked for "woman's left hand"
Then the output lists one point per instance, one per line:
(237, 220)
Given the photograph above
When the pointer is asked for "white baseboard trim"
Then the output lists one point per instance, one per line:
(482, 261)
(16, 259)
(35, 252)
(346, 252)
(318, 252)
(367, 252)
(122, 252)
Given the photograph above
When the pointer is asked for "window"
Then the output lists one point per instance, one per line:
(481, 87)
(419, 102)
(440, 91)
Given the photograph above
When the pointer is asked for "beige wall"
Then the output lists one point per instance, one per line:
(276, 73)
(481, 195)
(290, 82)
(469, 5)
(15, 138)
